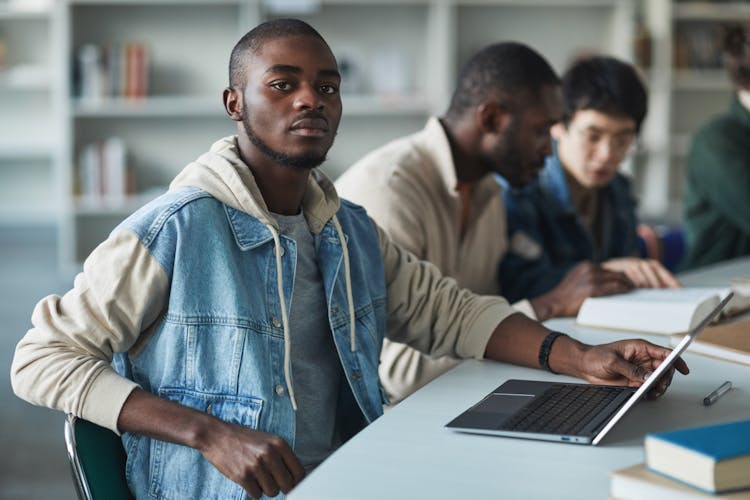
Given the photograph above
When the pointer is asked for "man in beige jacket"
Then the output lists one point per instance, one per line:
(244, 309)
(435, 194)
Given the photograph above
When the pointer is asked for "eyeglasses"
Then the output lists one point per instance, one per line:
(620, 143)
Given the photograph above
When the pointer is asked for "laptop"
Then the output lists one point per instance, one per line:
(565, 412)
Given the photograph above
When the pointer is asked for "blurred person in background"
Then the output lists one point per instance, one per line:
(717, 192)
(580, 209)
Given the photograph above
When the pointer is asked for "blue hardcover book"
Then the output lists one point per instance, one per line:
(714, 458)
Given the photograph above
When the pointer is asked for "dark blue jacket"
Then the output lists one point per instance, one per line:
(547, 237)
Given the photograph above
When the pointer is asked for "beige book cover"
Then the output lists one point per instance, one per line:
(729, 341)
(639, 483)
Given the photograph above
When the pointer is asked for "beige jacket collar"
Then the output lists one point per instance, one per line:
(433, 143)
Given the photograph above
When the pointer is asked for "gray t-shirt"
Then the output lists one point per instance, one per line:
(316, 369)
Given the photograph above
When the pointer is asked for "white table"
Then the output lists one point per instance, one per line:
(408, 454)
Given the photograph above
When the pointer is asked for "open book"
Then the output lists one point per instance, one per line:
(662, 310)
(730, 341)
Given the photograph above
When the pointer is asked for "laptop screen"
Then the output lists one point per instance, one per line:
(663, 367)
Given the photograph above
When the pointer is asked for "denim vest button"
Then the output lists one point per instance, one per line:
(279, 390)
(281, 250)
(357, 375)
(276, 321)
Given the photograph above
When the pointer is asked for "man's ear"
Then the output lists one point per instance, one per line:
(492, 117)
(233, 103)
(558, 130)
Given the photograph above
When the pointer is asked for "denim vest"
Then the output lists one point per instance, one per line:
(218, 347)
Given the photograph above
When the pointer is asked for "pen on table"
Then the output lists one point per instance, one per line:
(717, 393)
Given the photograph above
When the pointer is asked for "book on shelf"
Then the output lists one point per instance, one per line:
(713, 458)
(104, 174)
(657, 310)
(638, 483)
(697, 46)
(90, 76)
(136, 70)
(89, 171)
(728, 341)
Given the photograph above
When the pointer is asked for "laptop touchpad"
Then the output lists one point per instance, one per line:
(491, 411)
(503, 403)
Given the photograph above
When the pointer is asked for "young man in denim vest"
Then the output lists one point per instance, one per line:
(580, 208)
(244, 310)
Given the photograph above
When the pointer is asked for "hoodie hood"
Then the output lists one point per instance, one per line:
(222, 173)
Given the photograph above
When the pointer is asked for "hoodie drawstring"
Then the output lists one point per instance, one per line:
(282, 302)
(348, 278)
(284, 318)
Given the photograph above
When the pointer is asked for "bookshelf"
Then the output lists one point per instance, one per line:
(399, 59)
(30, 127)
(164, 125)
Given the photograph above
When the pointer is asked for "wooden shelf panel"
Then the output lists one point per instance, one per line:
(108, 207)
(17, 11)
(373, 105)
(26, 151)
(701, 79)
(711, 11)
(166, 106)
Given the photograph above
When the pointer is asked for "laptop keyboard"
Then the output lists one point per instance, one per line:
(562, 409)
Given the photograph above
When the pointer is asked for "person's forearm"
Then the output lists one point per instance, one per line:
(565, 356)
(258, 461)
(149, 415)
(517, 340)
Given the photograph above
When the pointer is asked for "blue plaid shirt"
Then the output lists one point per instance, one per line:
(547, 237)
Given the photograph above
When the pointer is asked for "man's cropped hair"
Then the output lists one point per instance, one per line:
(253, 39)
(604, 84)
(509, 71)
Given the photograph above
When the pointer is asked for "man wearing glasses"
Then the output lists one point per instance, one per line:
(580, 208)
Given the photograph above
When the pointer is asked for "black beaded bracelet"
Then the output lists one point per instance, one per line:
(545, 349)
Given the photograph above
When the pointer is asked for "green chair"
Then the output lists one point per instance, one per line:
(97, 460)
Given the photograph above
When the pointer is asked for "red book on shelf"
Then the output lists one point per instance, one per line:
(137, 70)
(130, 70)
(141, 60)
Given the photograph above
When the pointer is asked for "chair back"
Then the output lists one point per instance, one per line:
(97, 460)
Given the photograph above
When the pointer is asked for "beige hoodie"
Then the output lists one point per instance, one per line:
(63, 362)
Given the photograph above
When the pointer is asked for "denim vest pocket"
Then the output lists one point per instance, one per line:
(181, 472)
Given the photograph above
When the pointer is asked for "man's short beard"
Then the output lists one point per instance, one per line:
(508, 150)
(305, 162)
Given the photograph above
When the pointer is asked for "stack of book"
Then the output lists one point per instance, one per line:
(114, 70)
(701, 462)
(103, 172)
